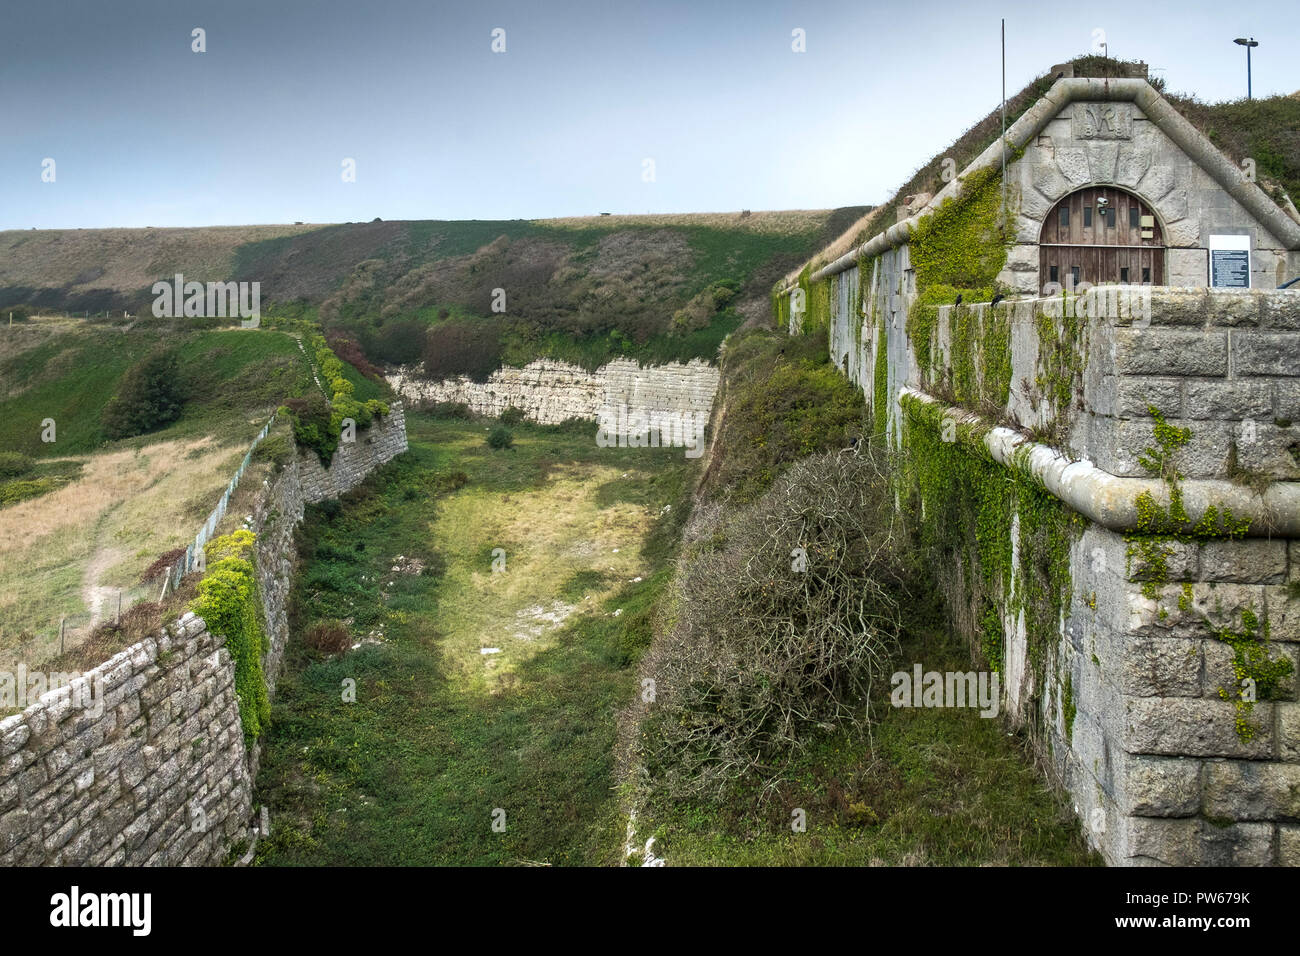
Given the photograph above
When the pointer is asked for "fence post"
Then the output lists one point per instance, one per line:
(62, 621)
(118, 619)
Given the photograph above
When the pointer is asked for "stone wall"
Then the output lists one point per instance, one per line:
(142, 760)
(1132, 695)
(384, 440)
(139, 762)
(551, 392)
(1128, 150)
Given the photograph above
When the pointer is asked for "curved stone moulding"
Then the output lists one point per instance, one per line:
(1111, 500)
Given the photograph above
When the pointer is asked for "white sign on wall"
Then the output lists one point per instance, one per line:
(1230, 262)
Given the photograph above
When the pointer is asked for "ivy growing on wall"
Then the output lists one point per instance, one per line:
(958, 249)
(968, 506)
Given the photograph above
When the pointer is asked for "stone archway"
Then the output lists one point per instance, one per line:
(1101, 234)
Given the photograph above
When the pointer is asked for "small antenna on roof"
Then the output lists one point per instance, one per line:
(1004, 120)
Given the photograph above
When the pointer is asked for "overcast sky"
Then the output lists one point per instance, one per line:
(144, 131)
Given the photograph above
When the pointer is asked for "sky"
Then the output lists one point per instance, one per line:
(145, 131)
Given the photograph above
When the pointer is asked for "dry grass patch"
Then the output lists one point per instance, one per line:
(70, 551)
(548, 534)
(125, 260)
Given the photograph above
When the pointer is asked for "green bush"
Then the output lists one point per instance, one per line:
(500, 437)
(12, 492)
(275, 449)
(20, 313)
(311, 425)
(511, 416)
(784, 400)
(14, 464)
(228, 603)
(148, 397)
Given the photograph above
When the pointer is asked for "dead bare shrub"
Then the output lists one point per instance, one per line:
(329, 637)
(786, 612)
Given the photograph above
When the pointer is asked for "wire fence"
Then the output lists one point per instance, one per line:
(191, 559)
(73, 629)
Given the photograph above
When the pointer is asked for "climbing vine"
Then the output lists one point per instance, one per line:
(1062, 360)
(958, 249)
(967, 505)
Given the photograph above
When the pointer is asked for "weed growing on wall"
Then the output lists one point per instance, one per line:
(1151, 546)
(1253, 668)
(1062, 359)
(1157, 525)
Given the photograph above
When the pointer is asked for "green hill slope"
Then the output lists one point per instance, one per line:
(586, 289)
(231, 380)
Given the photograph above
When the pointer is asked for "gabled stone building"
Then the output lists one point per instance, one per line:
(1106, 482)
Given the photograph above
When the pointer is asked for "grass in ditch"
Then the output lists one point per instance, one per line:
(441, 735)
(932, 787)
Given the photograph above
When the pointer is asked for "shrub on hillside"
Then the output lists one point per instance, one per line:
(699, 312)
(310, 415)
(14, 464)
(274, 449)
(18, 313)
(349, 350)
(148, 397)
(511, 416)
(784, 400)
(500, 437)
(398, 342)
(460, 347)
(787, 612)
(328, 637)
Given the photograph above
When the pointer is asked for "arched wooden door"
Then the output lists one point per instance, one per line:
(1101, 234)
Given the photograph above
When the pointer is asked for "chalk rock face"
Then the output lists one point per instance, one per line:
(550, 392)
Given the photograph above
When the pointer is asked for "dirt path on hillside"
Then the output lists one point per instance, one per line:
(100, 599)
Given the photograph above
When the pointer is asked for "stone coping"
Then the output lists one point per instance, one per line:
(1110, 500)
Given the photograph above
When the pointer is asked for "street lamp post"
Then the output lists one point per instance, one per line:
(1247, 43)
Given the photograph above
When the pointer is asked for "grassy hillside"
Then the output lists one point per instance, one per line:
(68, 371)
(585, 289)
(97, 269)
(82, 517)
